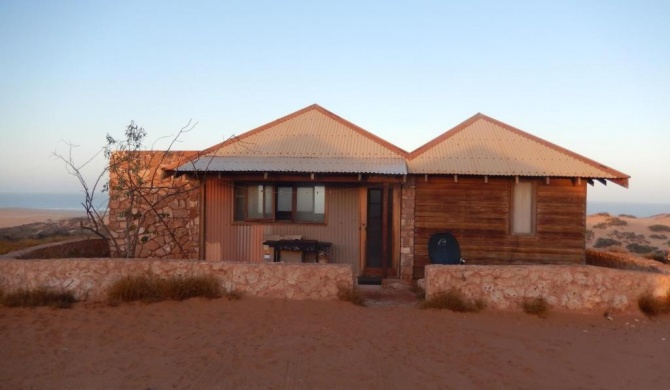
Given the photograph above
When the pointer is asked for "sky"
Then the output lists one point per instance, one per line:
(590, 76)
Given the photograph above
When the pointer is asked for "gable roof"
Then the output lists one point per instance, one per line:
(309, 140)
(484, 146)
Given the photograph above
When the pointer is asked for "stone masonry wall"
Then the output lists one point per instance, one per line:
(88, 279)
(624, 261)
(407, 230)
(578, 288)
(164, 216)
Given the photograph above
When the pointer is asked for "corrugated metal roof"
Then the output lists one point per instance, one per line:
(484, 146)
(315, 140)
(310, 140)
(385, 166)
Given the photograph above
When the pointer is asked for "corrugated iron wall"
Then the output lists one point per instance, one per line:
(244, 242)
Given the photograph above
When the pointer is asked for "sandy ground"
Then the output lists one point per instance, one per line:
(16, 216)
(279, 344)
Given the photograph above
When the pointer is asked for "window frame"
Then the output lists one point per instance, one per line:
(530, 208)
(276, 217)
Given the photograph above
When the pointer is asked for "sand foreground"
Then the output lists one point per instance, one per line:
(280, 344)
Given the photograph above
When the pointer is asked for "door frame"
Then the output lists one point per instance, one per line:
(392, 207)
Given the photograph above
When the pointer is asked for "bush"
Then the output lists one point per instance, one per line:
(453, 300)
(605, 242)
(652, 305)
(151, 288)
(352, 295)
(536, 306)
(40, 296)
(659, 228)
(637, 248)
(602, 214)
(658, 236)
(660, 256)
(616, 222)
(588, 235)
(627, 216)
(601, 225)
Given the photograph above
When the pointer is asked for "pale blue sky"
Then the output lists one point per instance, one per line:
(591, 76)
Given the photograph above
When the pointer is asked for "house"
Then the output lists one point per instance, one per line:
(506, 196)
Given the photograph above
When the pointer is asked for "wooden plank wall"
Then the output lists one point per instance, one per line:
(478, 215)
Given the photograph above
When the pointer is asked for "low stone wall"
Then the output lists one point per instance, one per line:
(88, 279)
(96, 247)
(576, 288)
(624, 261)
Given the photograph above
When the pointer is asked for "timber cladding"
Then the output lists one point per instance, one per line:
(478, 213)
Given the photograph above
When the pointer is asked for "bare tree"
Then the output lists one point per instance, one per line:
(142, 199)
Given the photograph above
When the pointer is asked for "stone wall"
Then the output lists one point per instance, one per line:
(578, 288)
(624, 261)
(95, 247)
(88, 279)
(159, 218)
(407, 230)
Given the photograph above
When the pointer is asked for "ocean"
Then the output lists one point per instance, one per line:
(46, 201)
(72, 201)
(639, 210)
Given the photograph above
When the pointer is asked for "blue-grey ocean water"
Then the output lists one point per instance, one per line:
(72, 201)
(67, 201)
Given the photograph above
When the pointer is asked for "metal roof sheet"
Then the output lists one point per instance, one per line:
(309, 140)
(484, 146)
(386, 166)
(310, 132)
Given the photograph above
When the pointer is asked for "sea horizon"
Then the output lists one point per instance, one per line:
(73, 202)
(48, 201)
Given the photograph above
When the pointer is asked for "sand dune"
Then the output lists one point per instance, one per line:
(627, 230)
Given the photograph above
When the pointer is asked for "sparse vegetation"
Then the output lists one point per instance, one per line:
(660, 256)
(453, 300)
(641, 249)
(589, 235)
(151, 288)
(15, 238)
(659, 228)
(605, 242)
(536, 306)
(601, 225)
(352, 295)
(627, 216)
(658, 236)
(40, 296)
(629, 236)
(603, 214)
(652, 305)
(614, 221)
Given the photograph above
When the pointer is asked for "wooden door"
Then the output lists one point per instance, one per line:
(378, 229)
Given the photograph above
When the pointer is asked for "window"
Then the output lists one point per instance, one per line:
(523, 208)
(281, 203)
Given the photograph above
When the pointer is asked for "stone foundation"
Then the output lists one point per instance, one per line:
(575, 288)
(407, 230)
(88, 279)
